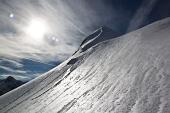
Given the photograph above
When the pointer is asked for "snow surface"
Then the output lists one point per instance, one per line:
(128, 74)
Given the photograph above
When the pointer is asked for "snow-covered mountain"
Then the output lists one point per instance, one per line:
(127, 74)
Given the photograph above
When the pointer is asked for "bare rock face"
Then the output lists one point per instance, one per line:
(127, 74)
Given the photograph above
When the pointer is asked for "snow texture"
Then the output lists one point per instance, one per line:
(127, 74)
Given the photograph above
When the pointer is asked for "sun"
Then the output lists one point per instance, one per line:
(36, 28)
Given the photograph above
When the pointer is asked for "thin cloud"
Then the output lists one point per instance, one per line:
(141, 14)
(17, 77)
(10, 62)
(67, 23)
(8, 69)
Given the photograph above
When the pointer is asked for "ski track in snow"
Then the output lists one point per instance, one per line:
(127, 74)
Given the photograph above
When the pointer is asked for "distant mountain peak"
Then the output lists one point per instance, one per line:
(10, 78)
(9, 84)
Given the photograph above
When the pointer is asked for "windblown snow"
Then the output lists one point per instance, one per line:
(127, 74)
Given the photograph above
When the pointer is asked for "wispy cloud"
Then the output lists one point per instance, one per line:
(13, 63)
(18, 77)
(141, 14)
(8, 69)
(68, 21)
(24, 69)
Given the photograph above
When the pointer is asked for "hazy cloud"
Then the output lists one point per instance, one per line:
(68, 22)
(8, 69)
(18, 77)
(13, 63)
(141, 14)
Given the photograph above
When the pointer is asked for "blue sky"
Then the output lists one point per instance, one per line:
(25, 69)
(37, 35)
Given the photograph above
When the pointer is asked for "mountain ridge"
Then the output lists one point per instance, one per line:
(127, 74)
(97, 37)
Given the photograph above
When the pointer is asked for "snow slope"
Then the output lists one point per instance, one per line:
(128, 74)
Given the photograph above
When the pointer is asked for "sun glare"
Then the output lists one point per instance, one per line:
(37, 28)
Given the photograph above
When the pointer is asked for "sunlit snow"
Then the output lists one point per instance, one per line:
(127, 74)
